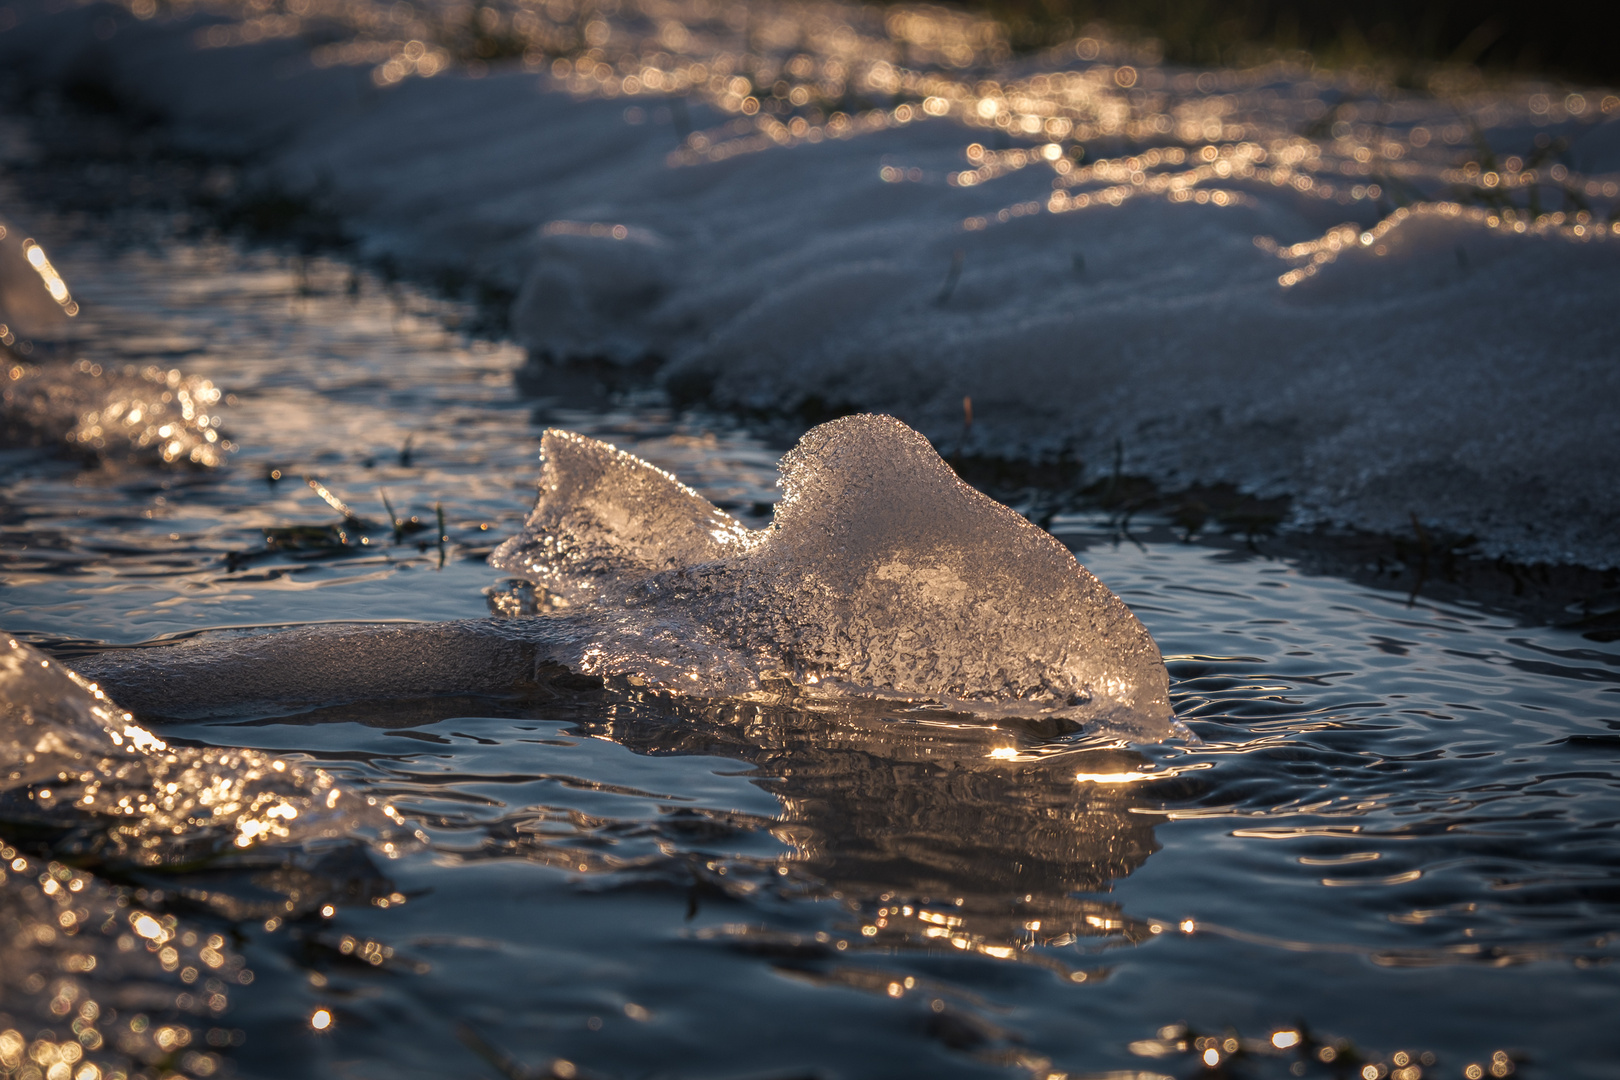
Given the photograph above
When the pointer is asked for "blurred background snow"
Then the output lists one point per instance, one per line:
(1375, 278)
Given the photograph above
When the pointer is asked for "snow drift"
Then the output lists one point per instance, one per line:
(1299, 282)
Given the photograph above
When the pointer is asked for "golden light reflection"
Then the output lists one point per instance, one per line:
(1106, 115)
(54, 285)
(1117, 778)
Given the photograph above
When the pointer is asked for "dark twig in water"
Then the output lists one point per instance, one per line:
(1119, 465)
(405, 453)
(1122, 529)
(967, 427)
(952, 276)
(393, 518)
(1423, 555)
(438, 510)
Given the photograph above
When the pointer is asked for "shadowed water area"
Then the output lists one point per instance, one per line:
(1393, 848)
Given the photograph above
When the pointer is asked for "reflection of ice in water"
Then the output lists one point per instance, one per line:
(910, 822)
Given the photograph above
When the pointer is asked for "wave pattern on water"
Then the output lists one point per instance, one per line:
(1395, 845)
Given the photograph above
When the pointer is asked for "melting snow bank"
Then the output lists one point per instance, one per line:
(1297, 282)
(882, 578)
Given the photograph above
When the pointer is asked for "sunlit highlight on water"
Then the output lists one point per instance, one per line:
(53, 281)
(960, 930)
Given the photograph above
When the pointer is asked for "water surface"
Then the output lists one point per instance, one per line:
(1397, 835)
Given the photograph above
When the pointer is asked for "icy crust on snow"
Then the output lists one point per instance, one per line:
(72, 760)
(882, 573)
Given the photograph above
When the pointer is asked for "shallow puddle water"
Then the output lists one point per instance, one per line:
(1392, 853)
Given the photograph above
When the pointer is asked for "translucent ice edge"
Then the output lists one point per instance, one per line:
(71, 757)
(82, 783)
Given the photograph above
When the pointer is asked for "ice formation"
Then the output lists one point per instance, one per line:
(881, 572)
(91, 801)
(76, 762)
(882, 575)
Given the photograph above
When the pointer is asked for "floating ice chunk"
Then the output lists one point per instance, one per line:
(82, 783)
(882, 573)
(35, 304)
(119, 411)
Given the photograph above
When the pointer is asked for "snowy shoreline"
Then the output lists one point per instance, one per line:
(1440, 365)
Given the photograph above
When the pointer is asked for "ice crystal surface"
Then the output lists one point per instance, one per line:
(96, 979)
(881, 572)
(882, 575)
(79, 769)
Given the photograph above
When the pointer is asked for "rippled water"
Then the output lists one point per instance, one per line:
(1396, 837)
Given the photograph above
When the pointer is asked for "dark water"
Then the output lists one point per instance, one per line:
(1397, 836)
